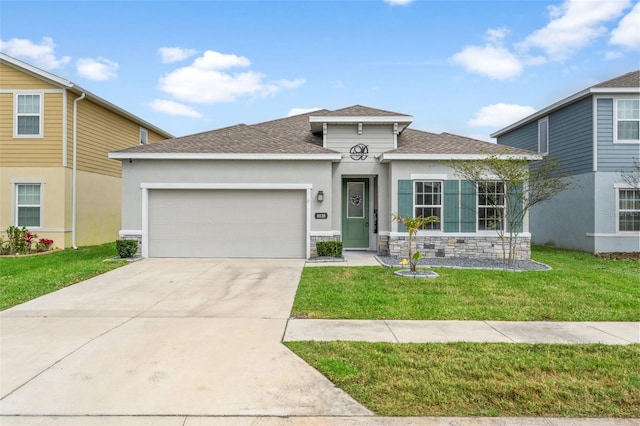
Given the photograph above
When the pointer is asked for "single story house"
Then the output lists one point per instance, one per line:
(274, 189)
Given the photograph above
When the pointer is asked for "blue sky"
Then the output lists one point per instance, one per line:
(464, 67)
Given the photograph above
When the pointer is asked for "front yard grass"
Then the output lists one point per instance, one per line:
(23, 278)
(482, 379)
(581, 287)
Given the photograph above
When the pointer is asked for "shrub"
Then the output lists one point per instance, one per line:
(127, 248)
(16, 240)
(329, 248)
(44, 244)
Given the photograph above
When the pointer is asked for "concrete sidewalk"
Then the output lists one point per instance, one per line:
(395, 331)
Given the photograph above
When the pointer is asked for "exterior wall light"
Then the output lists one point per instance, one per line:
(320, 196)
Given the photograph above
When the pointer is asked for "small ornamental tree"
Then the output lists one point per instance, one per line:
(413, 225)
(525, 185)
(632, 176)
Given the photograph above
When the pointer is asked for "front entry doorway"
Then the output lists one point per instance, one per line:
(355, 213)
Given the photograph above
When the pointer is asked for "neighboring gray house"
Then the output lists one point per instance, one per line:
(275, 188)
(595, 134)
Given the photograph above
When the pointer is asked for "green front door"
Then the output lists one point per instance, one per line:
(355, 213)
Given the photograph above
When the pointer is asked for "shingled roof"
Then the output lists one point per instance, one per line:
(292, 135)
(631, 79)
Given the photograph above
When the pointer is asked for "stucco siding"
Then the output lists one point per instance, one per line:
(36, 151)
(377, 138)
(566, 219)
(612, 157)
(98, 214)
(316, 173)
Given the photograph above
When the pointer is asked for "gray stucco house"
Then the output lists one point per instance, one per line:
(274, 189)
(595, 134)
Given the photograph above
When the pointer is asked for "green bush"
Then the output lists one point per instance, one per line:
(329, 248)
(127, 248)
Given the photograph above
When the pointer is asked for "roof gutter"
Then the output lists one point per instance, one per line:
(74, 178)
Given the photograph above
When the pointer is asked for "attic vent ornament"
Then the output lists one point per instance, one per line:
(359, 152)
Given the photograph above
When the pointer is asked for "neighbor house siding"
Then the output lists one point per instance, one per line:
(612, 157)
(378, 138)
(525, 137)
(12, 78)
(37, 151)
(571, 136)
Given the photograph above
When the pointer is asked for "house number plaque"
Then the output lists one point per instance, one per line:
(322, 215)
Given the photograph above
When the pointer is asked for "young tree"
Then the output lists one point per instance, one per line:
(413, 225)
(632, 177)
(520, 188)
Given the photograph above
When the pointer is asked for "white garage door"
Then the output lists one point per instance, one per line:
(227, 223)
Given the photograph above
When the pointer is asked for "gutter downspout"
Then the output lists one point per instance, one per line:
(75, 170)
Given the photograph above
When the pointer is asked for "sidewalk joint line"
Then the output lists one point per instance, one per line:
(391, 330)
(500, 332)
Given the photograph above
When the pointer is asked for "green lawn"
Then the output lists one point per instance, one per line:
(23, 278)
(581, 287)
(473, 379)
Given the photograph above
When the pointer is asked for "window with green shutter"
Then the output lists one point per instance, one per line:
(467, 206)
(405, 200)
(451, 217)
(514, 198)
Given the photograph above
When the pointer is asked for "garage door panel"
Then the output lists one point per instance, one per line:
(227, 223)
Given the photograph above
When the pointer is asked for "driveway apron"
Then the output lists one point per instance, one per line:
(164, 337)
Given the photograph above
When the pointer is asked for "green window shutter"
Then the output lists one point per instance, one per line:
(468, 206)
(514, 200)
(451, 206)
(405, 200)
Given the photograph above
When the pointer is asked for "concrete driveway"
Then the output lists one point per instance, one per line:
(164, 337)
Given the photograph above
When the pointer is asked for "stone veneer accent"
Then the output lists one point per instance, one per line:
(133, 236)
(482, 247)
(313, 251)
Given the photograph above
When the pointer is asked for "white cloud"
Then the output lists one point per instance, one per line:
(175, 54)
(174, 108)
(40, 54)
(99, 69)
(211, 60)
(490, 61)
(298, 111)
(573, 25)
(398, 2)
(500, 115)
(207, 80)
(627, 34)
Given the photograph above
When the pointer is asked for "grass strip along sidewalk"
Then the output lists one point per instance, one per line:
(478, 379)
(481, 379)
(23, 278)
(581, 287)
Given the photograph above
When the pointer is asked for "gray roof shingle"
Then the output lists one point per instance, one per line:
(631, 79)
(292, 135)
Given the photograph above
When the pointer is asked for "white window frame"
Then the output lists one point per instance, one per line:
(436, 226)
(488, 206)
(616, 120)
(619, 210)
(15, 184)
(40, 114)
(543, 121)
(144, 136)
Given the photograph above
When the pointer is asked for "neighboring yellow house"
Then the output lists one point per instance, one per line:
(55, 176)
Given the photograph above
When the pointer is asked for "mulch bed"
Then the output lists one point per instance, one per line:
(621, 255)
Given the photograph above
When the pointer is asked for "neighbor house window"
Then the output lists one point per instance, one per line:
(491, 205)
(543, 136)
(629, 210)
(28, 120)
(28, 205)
(628, 120)
(428, 202)
(143, 136)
